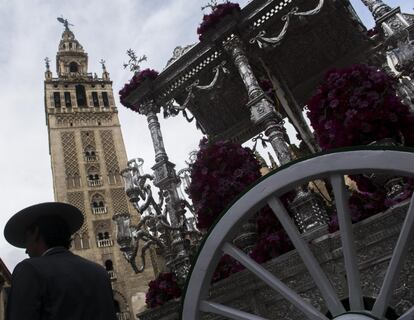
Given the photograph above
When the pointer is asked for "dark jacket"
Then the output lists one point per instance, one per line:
(60, 286)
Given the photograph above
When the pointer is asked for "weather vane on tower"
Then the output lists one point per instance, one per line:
(47, 61)
(65, 22)
(102, 62)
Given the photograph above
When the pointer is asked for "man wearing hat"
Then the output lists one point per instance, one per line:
(54, 283)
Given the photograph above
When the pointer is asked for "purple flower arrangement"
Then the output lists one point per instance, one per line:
(272, 238)
(271, 245)
(162, 289)
(356, 106)
(371, 201)
(226, 267)
(218, 12)
(267, 86)
(135, 82)
(362, 205)
(220, 173)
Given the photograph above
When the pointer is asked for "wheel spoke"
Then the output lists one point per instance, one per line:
(231, 313)
(396, 263)
(409, 315)
(268, 278)
(347, 239)
(322, 282)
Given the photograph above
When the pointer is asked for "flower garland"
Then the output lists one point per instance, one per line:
(218, 12)
(356, 106)
(162, 289)
(135, 82)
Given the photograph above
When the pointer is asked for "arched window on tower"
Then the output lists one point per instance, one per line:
(73, 67)
(95, 99)
(90, 154)
(94, 179)
(56, 99)
(80, 96)
(105, 99)
(73, 181)
(77, 242)
(113, 177)
(104, 239)
(109, 266)
(98, 204)
(68, 102)
(85, 240)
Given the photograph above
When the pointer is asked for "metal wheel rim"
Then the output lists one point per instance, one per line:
(333, 165)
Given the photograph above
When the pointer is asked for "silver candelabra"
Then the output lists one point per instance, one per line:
(171, 236)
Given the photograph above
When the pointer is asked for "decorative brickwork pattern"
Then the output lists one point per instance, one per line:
(92, 193)
(77, 199)
(108, 144)
(119, 200)
(102, 226)
(93, 119)
(88, 139)
(93, 168)
(69, 154)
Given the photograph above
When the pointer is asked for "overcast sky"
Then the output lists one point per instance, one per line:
(29, 32)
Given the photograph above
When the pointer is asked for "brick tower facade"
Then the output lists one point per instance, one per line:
(87, 153)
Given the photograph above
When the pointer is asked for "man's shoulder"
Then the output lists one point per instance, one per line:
(26, 267)
(60, 257)
(24, 264)
(85, 261)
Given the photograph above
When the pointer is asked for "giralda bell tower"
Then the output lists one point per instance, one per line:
(87, 152)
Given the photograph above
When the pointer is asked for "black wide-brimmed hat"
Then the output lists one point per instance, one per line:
(15, 229)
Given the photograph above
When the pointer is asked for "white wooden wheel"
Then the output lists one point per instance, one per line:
(332, 166)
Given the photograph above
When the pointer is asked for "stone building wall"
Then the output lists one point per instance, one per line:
(87, 154)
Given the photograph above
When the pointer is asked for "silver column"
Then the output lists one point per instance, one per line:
(166, 179)
(377, 7)
(308, 209)
(392, 21)
(398, 46)
(262, 112)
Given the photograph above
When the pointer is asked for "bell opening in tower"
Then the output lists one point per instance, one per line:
(80, 96)
(73, 67)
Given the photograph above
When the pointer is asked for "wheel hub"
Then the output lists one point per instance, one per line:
(354, 316)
